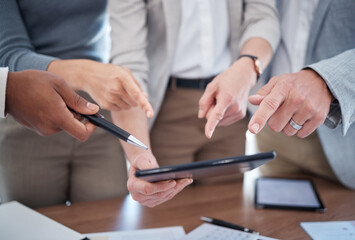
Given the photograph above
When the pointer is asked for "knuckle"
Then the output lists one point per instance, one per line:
(202, 103)
(147, 189)
(228, 97)
(151, 205)
(298, 100)
(104, 105)
(301, 135)
(172, 195)
(324, 116)
(78, 100)
(47, 131)
(136, 95)
(136, 197)
(116, 90)
(219, 115)
(273, 79)
(59, 82)
(129, 72)
(319, 117)
(211, 87)
(273, 126)
(130, 186)
(271, 103)
(125, 106)
(288, 132)
(83, 137)
(309, 109)
(59, 121)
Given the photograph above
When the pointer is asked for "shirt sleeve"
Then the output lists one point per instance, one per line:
(3, 81)
(16, 50)
(129, 49)
(261, 20)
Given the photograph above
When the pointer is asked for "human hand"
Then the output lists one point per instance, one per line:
(39, 100)
(152, 194)
(112, 87)
(225, 98)
(302, 97)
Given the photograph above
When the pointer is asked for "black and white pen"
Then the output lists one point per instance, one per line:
(227, 225)
(98, 120)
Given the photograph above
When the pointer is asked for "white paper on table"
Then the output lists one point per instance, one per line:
(171, 233)
(20, 222)
(210, 231)
(332, 230)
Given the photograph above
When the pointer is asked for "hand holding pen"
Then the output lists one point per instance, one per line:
(98, 120)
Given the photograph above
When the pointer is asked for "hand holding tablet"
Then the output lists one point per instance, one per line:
(208, 168)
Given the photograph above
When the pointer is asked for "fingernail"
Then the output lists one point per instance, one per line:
(210, 133)
(187, 181)
(91, 106)
(149, 114)
(199, 113)
(255, 128)
(257, 96)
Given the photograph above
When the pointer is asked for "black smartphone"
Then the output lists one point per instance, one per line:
(282, 193)
(207, 168)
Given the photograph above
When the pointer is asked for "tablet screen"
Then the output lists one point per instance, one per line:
(287, 194)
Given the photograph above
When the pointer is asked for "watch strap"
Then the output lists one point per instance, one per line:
(258, 69)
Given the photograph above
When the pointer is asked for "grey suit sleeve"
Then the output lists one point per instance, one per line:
(339, 74)
(128, 49)
(16, 50)
(261, 20)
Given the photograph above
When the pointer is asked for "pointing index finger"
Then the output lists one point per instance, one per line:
(266, 109)
(217, 114)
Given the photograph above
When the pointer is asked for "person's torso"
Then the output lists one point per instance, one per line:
(332, 30)
(202, 48)
(296, 19)
(67, 29)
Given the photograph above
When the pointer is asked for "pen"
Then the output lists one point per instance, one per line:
(98, 120)
(227, 224)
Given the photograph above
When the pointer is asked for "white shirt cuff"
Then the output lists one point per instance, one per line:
(3, 81)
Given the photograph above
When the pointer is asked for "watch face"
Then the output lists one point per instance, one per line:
(258, 67)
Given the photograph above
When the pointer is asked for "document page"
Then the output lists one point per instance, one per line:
(171, 233)
(210, 231)
(332, 230)
(20, 222)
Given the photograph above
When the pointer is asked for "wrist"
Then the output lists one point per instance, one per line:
(246, 65)
(316, 77)
(133, 153)
(71, 71)
(258, 67)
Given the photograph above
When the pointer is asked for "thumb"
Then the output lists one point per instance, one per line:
(76, 102)
(256, 99)
(206, 102)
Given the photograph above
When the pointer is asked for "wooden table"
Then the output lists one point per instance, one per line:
(230, 201)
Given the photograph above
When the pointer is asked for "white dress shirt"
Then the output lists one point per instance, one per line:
(3, 81)
(202, 47)
(297, 17)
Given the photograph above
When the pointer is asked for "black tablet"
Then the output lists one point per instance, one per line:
(208, 168)
(281, 193)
